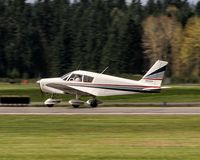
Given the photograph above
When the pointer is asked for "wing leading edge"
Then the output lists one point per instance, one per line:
(68, 89)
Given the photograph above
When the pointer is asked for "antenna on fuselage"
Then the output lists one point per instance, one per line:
(104, 70)
(77, 68)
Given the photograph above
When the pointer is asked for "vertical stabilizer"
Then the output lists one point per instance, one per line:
(156, 74)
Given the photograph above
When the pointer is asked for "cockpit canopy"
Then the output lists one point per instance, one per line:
(77, 77)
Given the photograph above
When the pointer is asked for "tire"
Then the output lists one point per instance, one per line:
(94, 103)
(50, 105)
(75, 106)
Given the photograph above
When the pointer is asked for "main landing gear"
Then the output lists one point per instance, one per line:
(93, 102)
(77, 102)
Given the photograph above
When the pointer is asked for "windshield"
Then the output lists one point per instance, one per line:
(66, 76)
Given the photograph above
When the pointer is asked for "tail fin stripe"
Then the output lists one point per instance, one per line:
(156, 75)
(159, 70)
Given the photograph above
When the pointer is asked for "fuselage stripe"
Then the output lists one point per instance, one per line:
(129, 88)
(153, 79)
(112, 85)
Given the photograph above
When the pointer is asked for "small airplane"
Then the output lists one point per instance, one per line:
(93, 84)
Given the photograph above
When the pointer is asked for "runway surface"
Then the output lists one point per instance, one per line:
(100, 111)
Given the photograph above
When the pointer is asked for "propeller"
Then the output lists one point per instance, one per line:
(42, 93)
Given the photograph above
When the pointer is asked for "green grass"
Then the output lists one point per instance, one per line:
(174, 94)
(99, 137)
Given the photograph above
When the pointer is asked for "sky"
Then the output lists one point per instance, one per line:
(192, 1)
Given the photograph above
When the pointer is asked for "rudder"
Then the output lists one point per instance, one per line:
(156, 73)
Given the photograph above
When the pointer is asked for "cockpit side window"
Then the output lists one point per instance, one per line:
(88, 79)
(76, 78)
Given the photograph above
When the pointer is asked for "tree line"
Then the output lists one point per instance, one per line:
(53, 37)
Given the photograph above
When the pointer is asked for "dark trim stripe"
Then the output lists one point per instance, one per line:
(111, 85)
(124, 89)
(153, 79)
(159, 70)
(129, 88)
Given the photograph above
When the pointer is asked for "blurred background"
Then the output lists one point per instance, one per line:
(47, 38)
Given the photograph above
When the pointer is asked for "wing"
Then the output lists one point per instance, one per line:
(67, 89)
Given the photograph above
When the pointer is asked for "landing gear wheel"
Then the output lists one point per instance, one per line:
(93, 103)
(50, 105)
(75, 106)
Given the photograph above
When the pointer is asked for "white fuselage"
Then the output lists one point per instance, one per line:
(101, 85)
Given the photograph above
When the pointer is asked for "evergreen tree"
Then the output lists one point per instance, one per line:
(150, 7)
(80, 31)
(97, 34)
(16, 37)
(62, 43)
(2, 39)
(185, 12)
(112, 55)
(44, 21)
(132, 39)
(197, 9)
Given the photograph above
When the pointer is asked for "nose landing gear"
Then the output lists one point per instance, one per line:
(50, 102)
